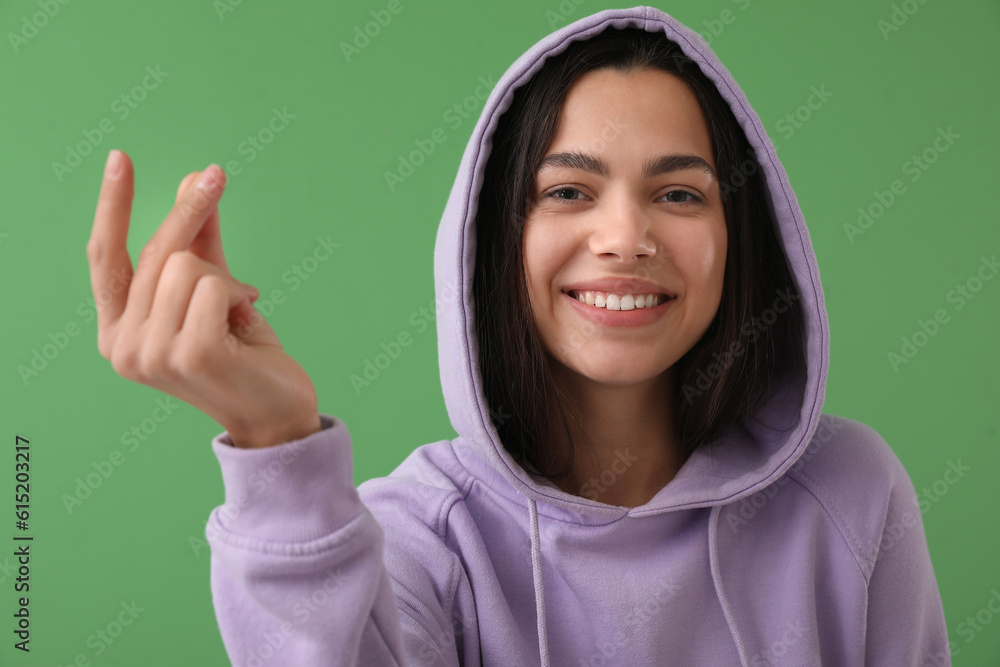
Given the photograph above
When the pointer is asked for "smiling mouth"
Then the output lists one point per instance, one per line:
(612, 301)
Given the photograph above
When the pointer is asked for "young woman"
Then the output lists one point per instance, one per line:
(633, 350)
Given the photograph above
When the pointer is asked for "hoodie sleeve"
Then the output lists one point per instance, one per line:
(906, 624)
(297, 570)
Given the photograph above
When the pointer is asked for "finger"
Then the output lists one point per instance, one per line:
(177, 231)
(186, 182)
(110, 264)
(218, 313)
(208, 243)
(182, 272)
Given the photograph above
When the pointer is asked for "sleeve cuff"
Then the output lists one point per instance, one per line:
(295, 492)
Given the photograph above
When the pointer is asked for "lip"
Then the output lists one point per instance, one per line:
(619, 286)
(636, 317)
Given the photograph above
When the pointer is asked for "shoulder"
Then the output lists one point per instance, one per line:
(844, 452)
(858, 480)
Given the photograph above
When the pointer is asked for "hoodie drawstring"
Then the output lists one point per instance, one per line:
(713, 557)
(536, 575)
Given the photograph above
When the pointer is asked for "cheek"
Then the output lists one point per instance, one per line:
(702, 258)
(544, 251)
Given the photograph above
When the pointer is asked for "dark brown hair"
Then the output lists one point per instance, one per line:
(712, 396)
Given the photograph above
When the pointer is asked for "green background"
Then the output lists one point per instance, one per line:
(139, 535)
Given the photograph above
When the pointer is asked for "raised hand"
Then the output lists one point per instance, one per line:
(183, 324)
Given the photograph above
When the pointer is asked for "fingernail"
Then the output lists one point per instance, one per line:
(113, 166)
(209, 179)
(254, 294)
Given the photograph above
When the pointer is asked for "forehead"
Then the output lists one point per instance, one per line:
(646, 105)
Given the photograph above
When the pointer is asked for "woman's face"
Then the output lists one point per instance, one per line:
(627, 191)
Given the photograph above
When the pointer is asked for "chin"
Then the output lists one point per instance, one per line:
(618, 372)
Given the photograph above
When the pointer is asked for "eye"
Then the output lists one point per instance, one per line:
(564, 193)
(690, 198)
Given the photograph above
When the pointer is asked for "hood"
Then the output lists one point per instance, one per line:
(742, 464)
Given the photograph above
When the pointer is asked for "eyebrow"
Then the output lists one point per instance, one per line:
(653, 167)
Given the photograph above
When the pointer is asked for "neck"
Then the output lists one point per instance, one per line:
(635, 450)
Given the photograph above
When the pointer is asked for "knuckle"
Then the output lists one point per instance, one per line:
(94, 251)
(124, 360)
(191, 360)
(179, 263)
(149, 251)
(104, 343)
(213, 284)
(153, 359)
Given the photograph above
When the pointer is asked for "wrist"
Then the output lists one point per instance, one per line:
(260, 437)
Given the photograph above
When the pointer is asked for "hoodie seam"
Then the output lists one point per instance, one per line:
(425, 634)
(831, 509)
(458, 567)
(329, 542)
(452, 582)
(385, 640)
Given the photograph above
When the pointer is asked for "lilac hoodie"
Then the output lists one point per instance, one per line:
(802, 547)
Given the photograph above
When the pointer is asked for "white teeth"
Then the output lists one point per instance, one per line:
(619, 302)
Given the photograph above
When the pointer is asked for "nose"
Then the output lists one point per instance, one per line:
(622, 231)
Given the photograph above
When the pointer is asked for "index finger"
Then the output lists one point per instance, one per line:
(110, 264)
(176, 232)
